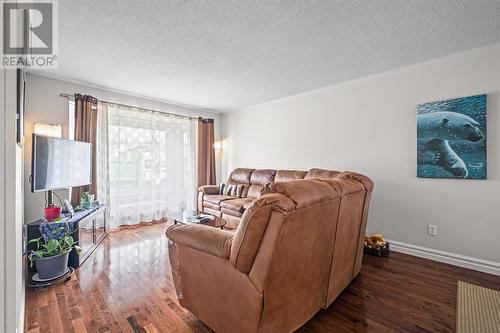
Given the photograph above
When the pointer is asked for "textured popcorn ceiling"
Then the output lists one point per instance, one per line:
(223, 55)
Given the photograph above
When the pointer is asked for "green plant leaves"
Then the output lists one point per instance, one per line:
(69, 241)
(35, 240)
(85, 196)
(52, 247)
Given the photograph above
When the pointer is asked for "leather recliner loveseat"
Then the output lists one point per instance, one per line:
(231, 207)
(298, 246)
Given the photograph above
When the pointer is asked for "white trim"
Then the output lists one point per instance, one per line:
(13, 231)
(3, 194)
(455, 259)
(22, 311)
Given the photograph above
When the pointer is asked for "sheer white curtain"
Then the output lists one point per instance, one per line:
(102, 176)
(150, 159)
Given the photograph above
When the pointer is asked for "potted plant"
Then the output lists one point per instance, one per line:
(87, 200)
(52, 250)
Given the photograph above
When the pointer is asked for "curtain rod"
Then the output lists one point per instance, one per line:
(72, 97)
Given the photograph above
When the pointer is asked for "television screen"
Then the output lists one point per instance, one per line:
(59, 163)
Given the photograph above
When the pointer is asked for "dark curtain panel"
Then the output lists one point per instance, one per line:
(86, 130)
(206, 152)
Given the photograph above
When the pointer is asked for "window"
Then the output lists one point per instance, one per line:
(150, 161)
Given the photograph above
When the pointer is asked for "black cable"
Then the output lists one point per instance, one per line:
(60, 201)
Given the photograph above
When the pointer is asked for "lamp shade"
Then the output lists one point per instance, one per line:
(54, 130)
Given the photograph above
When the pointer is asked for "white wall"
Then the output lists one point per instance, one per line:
(43, 104)
(369, 125)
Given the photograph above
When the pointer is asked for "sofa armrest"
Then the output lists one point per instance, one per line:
(209, 189)
(203, 238)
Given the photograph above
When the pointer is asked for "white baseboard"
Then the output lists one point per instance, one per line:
(477, 264)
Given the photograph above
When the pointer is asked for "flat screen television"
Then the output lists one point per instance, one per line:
(59, 163)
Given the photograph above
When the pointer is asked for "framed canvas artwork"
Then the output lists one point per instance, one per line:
(451, 138)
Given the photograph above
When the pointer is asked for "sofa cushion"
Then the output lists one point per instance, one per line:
(262, 177)
(240, 176)
(255, 191)
(287, 175)
(321, 174)
(304, 192)
(239, 191)
(232, 222)
(228, 190)
(210, 205)
(216, 198)
(211, 211)
(252, 227)
(367, 182)
(210, 189)
(238, 205)
(234, 213)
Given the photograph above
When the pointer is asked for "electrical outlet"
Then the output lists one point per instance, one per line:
(432, 230)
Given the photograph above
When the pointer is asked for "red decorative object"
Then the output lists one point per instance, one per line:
(52, 213)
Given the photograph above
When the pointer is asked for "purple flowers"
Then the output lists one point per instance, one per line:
(53, 230)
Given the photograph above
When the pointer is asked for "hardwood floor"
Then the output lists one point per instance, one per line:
(125, 286)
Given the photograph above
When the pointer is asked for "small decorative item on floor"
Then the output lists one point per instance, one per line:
(87, 200)
(52, 251)
(376, 245)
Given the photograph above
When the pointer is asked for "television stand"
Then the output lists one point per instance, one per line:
(89, 227)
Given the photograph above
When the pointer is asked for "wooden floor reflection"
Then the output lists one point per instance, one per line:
(126, 286)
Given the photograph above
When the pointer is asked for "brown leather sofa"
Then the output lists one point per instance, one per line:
(231, 208)
(297, 247)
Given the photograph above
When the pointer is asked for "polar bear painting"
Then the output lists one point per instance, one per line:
(452, 138)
